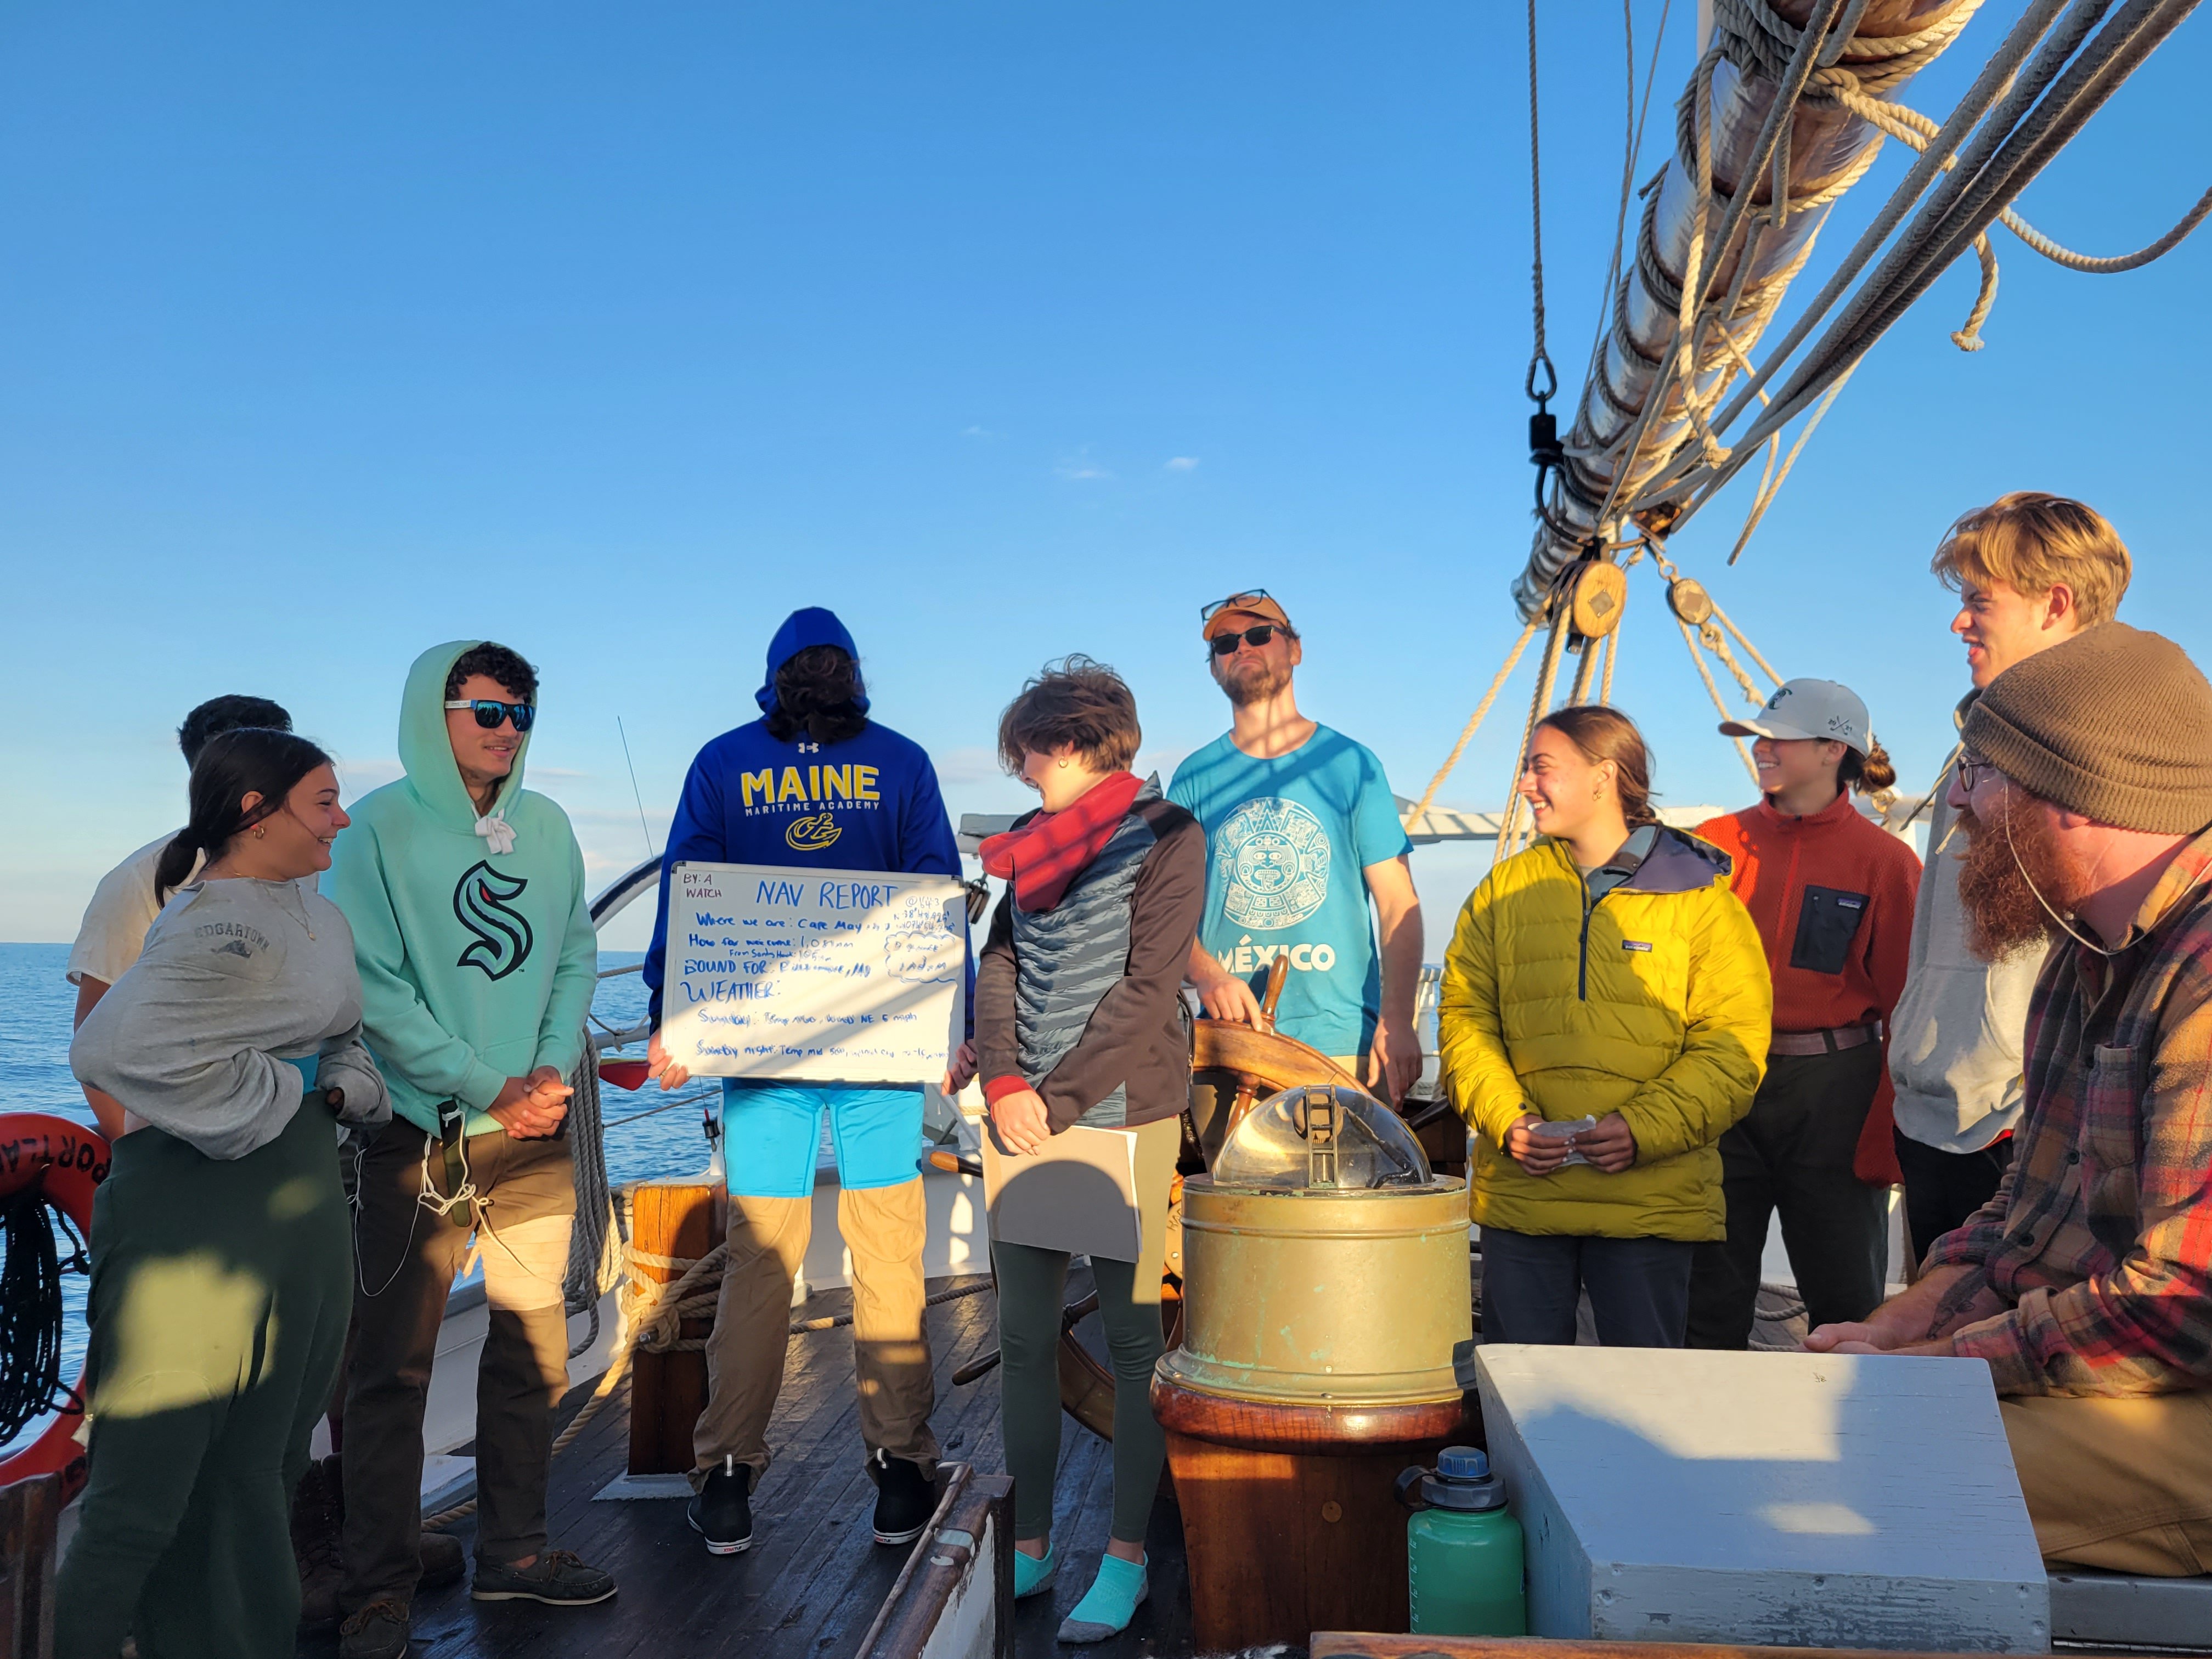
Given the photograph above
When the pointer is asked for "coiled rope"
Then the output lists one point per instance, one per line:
(31, 1309)
(595, 1246)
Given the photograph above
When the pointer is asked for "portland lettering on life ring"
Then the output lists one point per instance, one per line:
(68, 1162)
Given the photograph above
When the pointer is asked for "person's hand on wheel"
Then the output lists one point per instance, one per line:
(658, 1064)
(1230, 997)
(1023, 1124)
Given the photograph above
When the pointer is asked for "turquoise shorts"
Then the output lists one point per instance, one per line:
(772, 1136)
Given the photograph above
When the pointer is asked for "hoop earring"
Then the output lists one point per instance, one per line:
(259, 832)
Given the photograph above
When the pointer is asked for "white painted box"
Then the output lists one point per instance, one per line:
(1783, 1499)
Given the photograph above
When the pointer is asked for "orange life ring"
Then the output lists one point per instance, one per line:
(68, 1162)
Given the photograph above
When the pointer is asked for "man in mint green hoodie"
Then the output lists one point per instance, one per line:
(473, 934)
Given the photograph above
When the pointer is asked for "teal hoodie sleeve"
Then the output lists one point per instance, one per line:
(403, 1034)
(561, 1033)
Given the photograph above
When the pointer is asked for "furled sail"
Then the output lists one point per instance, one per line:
(1767, 107)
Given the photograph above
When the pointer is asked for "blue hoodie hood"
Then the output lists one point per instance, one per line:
(815, 625)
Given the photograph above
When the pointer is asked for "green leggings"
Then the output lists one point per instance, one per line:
(219, 1297)
(1032, 1284)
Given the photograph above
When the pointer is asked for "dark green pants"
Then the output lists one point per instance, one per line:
(1793, 1153)
(218, 1307)
(1032, 1284)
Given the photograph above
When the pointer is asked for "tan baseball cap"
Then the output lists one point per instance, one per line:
(1820, 709)
(1241, 611)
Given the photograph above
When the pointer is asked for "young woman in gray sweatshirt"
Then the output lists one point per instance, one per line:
(222, 1269)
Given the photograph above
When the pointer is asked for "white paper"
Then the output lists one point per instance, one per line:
(1078, 1192)
(1566, 1131)
(824, 975)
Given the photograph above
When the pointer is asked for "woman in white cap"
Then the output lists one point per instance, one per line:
(1831, 893)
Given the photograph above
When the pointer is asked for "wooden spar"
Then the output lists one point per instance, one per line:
(680, 1219)
(1823, 146)
(29, 1512)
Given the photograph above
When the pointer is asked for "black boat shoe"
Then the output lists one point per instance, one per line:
(557, 1577)
(722, 1513)
(905, 1499)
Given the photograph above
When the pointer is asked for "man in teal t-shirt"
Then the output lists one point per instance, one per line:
(1301, 830)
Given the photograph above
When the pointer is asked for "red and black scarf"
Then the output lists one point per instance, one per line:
(1043, 858)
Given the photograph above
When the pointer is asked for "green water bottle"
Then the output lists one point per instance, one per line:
(1464, 1565)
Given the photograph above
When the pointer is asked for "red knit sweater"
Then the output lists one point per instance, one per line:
(1831, 895)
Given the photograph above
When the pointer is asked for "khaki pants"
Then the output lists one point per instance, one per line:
(408, 1255)
(2123, 1484)
(883, 1227)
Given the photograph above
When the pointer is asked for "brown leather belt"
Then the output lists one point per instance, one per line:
(1833, 1042)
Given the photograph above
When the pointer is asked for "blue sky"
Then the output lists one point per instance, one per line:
(329, 333)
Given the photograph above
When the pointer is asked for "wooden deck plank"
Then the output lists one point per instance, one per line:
(812, 1583)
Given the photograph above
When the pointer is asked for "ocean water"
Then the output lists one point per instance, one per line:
(647, 1134)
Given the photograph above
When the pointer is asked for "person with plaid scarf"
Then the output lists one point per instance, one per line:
(2085, 1284)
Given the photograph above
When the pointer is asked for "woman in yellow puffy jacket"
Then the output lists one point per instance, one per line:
(1604, 1018)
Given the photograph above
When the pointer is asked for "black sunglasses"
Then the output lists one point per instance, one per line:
(1255, 637)
(1234, 601)
(490, 712)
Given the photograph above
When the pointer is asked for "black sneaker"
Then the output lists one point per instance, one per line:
(722, 1513)
(905, 1499)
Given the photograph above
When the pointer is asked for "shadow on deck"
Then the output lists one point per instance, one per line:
(815, 1576)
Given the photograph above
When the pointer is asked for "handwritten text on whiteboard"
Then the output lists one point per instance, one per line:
(821, 975)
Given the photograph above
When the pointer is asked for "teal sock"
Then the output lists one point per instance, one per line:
(1034, 1572)
(1111, 1601)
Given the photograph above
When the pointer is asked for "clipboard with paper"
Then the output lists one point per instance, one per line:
(1078, 1194)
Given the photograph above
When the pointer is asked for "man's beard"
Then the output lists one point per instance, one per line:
(1254, 681)
(2009, 860)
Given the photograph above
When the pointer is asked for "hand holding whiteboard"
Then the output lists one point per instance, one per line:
(824, 976)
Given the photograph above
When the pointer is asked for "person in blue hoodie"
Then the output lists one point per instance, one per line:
(813, 782)
(472, 931)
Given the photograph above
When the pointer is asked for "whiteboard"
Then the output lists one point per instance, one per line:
(821, 976)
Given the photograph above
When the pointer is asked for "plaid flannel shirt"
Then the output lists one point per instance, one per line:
(2101, 1236)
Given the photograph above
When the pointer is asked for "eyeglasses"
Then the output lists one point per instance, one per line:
(491, 712)
(1970, 768)
(1234, 602)
(1255, 637)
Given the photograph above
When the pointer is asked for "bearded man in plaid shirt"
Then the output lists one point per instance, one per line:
(2085, 1283)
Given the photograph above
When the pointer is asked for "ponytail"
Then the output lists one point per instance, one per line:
(175, 864)
(1870, 774)
(252, 760)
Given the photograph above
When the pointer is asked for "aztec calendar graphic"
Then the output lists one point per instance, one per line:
(1272, 859)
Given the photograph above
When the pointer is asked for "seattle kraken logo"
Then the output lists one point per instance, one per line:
(483, 901)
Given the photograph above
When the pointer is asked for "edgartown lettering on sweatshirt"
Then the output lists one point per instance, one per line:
(237, 940)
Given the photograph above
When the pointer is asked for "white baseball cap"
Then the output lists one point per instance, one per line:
(1820, 709)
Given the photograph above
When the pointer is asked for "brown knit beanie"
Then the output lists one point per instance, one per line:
(2115, 724)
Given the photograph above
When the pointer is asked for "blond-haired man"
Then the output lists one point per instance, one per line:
(2032, 570)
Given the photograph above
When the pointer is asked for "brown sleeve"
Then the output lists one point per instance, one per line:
(994, 998)
(1164, 916)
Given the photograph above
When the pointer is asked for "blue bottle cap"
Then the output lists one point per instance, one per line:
(1462, 1463)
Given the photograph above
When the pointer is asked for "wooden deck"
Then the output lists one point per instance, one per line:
(814, 1576)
